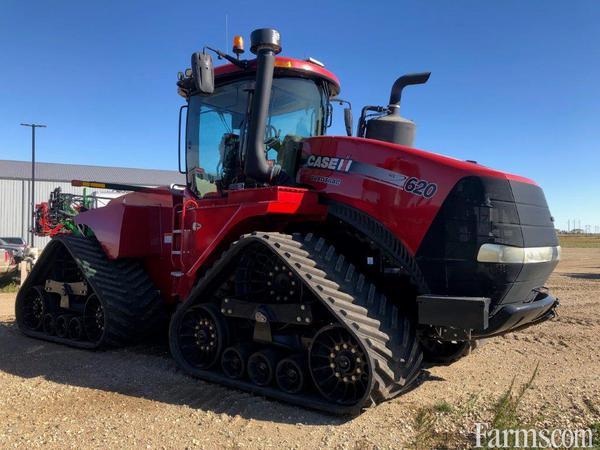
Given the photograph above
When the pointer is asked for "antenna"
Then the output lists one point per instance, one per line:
(226, 31)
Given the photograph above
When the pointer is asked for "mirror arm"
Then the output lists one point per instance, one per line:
(241, 63)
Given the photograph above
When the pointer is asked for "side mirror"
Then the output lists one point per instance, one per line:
(348, 120)
(347, 114)
(203, 73)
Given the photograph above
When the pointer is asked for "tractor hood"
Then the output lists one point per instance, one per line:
(412, 184)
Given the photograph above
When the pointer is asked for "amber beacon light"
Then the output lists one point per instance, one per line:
(238, 45)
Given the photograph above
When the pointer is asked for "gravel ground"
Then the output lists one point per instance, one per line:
(64, 398)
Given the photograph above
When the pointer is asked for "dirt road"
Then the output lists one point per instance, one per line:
(56, 396)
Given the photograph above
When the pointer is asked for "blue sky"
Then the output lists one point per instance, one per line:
(515, 84)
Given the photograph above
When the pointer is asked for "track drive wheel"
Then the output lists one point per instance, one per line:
(202, 335)
(261, 274)
(338, 365)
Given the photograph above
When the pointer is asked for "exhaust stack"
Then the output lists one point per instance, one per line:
(392, 127)
(265, 44)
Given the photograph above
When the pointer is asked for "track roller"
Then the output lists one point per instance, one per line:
(49, 324)
(62, 325)
(289, 374)
(233, 361)
(202, 335)
(75, 328)
(261, 367)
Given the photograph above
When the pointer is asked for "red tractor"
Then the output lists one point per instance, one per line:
(320, 271)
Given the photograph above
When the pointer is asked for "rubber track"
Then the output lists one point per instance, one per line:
(386, 336)
(132, 305)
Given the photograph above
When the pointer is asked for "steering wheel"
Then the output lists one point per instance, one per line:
(273, 136)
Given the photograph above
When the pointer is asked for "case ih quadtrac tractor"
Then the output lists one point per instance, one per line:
(320, 271)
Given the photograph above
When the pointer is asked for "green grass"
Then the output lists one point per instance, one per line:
(425, 420)
(505, 413)
(425, 436)
(595, 427)
(506, 408)
(579, 241)
(443, 407)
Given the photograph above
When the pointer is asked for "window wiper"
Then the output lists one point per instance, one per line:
(222, 117)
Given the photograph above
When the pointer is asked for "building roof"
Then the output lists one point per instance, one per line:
(21, 170)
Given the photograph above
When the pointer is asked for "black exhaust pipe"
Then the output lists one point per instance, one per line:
(265, 44)
(401, 83)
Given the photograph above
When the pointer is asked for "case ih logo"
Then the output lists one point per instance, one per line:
(326, 162)
(412, 185)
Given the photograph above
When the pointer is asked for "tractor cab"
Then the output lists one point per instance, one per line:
(246, 119)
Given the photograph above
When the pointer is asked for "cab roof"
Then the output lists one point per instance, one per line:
(283, 66)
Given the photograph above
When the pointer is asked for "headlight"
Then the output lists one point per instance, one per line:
(495, 253)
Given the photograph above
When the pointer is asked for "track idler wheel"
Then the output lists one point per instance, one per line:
(49, 324)
(261, 367)
(93, 318)
(338, 365)
(75, 328)
(202, 335)
(62, 325)
(289, 374)
(439, 352)
(234, 359)
(34, 307)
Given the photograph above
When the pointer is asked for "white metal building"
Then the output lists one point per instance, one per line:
(15, 182)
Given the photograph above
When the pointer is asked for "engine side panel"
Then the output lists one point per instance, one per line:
(401, 187)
